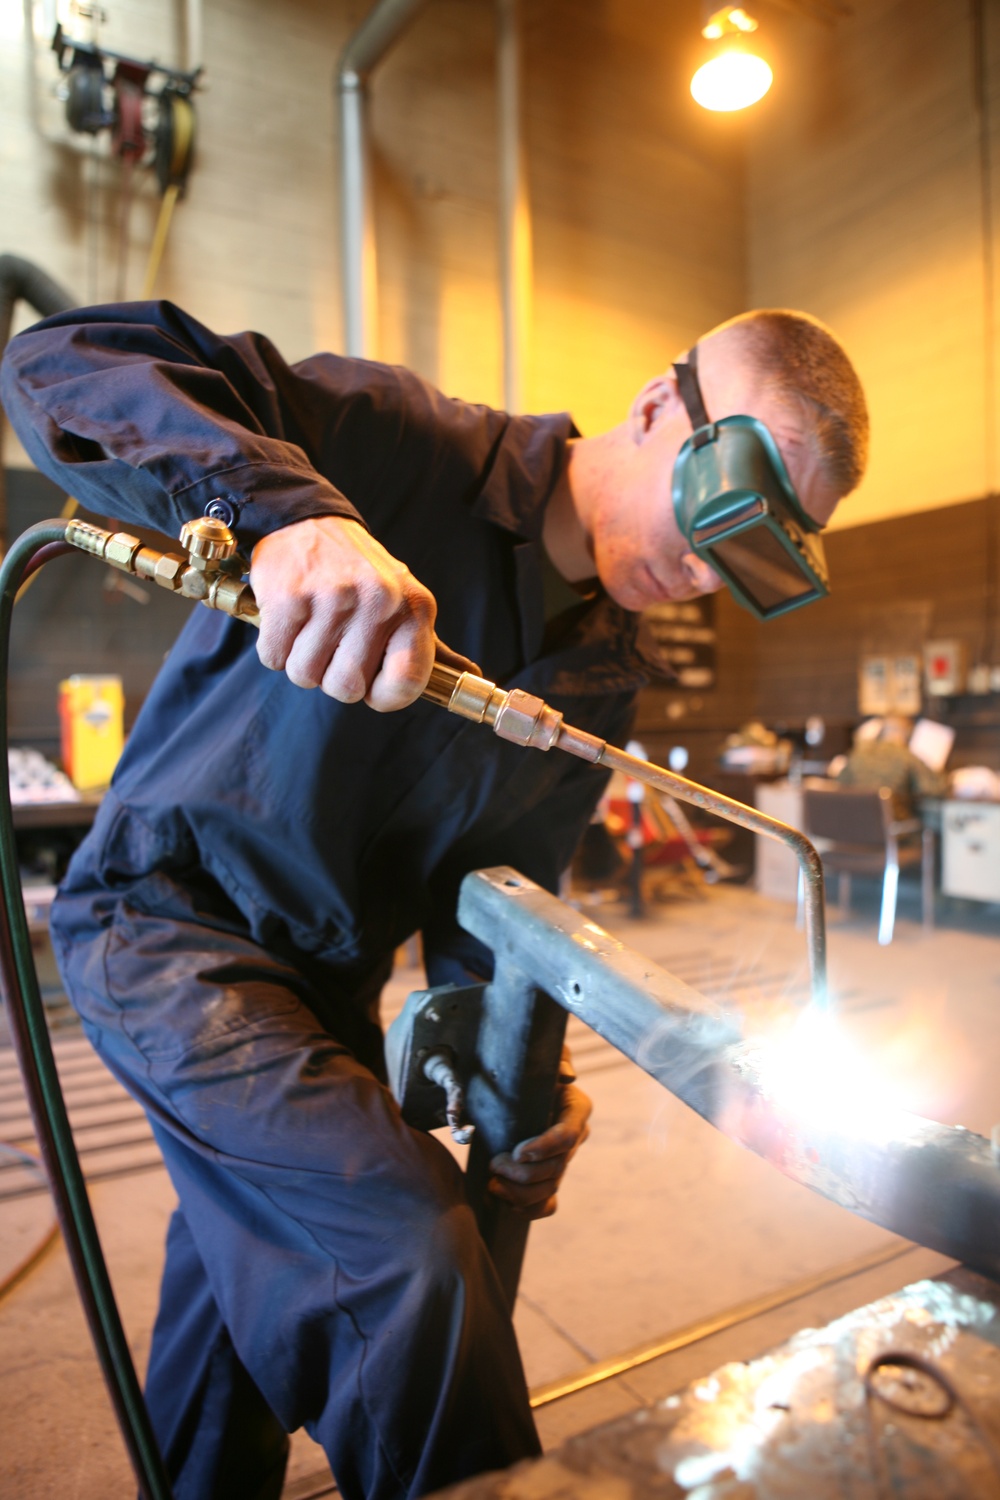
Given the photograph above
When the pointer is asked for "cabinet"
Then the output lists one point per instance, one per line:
(970, 855)
(777, 869)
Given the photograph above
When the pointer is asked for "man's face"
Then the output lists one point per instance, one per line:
(642, 557)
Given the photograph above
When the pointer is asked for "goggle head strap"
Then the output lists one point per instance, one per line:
(705, 431)
(694, 402)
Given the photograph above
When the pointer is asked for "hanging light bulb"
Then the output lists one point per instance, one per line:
(734, 77)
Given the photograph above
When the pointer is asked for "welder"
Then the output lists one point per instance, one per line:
(227, 926)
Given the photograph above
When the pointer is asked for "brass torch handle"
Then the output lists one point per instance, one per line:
(213, 581)
(441, 684)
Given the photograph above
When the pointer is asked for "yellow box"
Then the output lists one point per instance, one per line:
(91, 711)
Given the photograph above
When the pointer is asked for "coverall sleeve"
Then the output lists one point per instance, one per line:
(142, 414)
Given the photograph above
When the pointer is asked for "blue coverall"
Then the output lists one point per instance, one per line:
(227, 926)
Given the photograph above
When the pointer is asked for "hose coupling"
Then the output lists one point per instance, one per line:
(114, 547)
(526, 720)
(439, 1067)
(513, 715)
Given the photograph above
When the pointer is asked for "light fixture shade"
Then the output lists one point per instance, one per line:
(731, 80)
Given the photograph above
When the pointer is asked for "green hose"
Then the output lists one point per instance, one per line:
(41, 1080)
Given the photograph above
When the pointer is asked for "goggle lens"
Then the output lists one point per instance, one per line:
(764, 570)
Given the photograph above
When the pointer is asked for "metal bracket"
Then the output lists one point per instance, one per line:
(432, 1021)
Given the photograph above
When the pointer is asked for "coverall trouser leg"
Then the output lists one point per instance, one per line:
(213, 1425)
(323, 1240)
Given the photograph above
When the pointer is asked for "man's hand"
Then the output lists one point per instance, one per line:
(528, 1177)
(339, 613)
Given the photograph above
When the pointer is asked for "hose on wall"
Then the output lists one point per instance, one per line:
(22, 281)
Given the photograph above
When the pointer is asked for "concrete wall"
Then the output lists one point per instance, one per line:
(637, 194)
(866, 206)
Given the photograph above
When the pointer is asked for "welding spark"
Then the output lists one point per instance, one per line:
(813, 1072)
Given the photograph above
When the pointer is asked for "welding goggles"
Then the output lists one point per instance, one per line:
(738, 509)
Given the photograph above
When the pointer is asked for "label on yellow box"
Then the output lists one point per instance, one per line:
(91, 712)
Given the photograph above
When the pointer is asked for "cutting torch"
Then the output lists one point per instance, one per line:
(210, 570)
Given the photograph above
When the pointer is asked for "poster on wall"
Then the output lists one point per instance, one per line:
(677, 642)
(889, 684)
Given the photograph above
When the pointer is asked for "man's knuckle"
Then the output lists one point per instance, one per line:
(376, 599)
(343, 596)
(421, 604)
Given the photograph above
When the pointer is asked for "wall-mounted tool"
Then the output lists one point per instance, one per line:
(108, 91)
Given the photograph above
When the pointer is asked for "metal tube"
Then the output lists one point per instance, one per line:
(810, 863)
(527, 720)
(357, 236)
(380, 28)
(364, 50)
(193, 36)
(515, 212)
(510, 1097)
(936, 1185)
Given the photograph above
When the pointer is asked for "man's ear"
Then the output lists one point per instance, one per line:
(658, 399)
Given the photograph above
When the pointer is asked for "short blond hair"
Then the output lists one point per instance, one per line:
(802, 361)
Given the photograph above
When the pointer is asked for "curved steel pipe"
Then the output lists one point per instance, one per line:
(752, 818)
(527, 720)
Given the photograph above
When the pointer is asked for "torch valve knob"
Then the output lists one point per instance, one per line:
(208, 540)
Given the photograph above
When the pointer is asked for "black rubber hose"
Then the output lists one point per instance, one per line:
(22, 280)
(41, 1082)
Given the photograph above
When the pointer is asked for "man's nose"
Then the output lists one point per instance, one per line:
(702, 578)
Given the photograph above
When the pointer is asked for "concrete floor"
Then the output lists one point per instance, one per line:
(663, 1222)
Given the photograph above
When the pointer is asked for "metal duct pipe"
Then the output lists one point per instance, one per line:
(515, 213)
(193, 33)
(364, 51)
(359, 289)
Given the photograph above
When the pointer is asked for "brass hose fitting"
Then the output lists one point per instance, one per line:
(209, 570)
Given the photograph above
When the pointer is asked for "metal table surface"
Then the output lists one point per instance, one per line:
(900, 1398)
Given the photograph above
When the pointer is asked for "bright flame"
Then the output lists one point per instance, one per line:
(816, 1074)
(731, 80)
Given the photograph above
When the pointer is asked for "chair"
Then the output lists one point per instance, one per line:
(857, 833)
